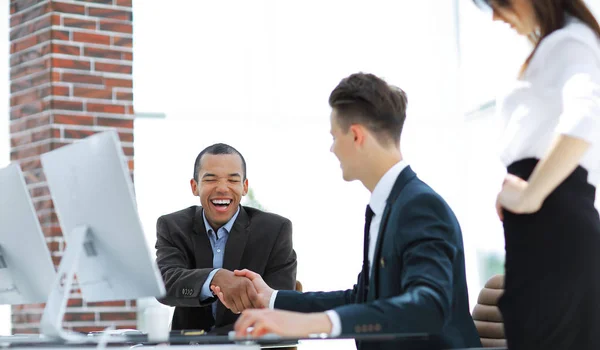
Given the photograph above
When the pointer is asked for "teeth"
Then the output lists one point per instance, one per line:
(221, 201)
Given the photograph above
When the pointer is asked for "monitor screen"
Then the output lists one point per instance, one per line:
(26, 268)
(91, 187)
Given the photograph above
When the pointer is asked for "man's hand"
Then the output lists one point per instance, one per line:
(238, 293)
(263, 296)
(283, 323)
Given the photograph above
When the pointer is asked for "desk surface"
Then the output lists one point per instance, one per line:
(157, 347)
(348, 344)
(205, 342)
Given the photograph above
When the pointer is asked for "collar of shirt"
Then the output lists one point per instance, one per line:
(384, 187)
(227, 226)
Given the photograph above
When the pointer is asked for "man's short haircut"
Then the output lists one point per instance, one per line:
(368, 100)
(218, 148)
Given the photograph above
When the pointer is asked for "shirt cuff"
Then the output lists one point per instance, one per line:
(206, 293)
(272, 300)
(336, 323)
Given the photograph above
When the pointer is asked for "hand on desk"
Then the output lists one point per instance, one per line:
(236, 292)
(283, 323)
(258, 295)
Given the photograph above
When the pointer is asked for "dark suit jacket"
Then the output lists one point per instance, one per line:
(258, 241)
(418, 282)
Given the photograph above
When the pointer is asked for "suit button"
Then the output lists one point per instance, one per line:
(371, 328)
(382, 262)
(357, 329)
(377, 327)
(365, 328)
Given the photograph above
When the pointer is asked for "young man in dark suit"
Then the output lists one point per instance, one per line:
(201, 245)
(413, 276)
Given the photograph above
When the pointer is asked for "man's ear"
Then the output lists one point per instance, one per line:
(358, 133)
(194, 186)
(245, 188)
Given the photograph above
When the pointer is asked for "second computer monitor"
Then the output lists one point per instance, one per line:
(26, 268)
(91, 188)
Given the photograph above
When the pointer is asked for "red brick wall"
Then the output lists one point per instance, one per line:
(70, 77)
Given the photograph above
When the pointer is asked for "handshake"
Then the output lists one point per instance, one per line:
(240, 290)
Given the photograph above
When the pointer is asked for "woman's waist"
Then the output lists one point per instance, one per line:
(575, 187)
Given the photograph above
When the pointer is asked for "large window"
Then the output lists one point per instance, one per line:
(490, 56)
(259, 78)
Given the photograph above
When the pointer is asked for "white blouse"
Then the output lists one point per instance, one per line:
(558, 94)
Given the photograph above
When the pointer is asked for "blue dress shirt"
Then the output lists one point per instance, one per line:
(217, 243)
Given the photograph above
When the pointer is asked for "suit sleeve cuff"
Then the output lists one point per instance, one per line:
(336, 323)
(272, 300)
(206, 293)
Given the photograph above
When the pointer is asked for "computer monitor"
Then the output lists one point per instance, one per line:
(26, 268)
(93, 196)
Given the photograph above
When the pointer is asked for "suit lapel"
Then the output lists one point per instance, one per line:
(202, 249)
(405, 176)
(234, 248)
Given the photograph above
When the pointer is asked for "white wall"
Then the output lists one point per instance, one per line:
(258, 74)
(595, 6)
(259, 77)
(490, 56)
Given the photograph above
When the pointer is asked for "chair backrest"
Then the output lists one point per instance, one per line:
(487, 316)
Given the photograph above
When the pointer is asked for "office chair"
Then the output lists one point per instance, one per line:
(487, 316)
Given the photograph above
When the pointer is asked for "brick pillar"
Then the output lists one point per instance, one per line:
(70, 77)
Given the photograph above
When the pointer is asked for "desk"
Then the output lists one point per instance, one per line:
(349, 345)
(160, 347)
(201, 342)
(303, 345)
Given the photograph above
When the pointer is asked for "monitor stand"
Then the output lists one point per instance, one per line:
(51, 323)
(80, 242)
(8, 288)
(80, 246)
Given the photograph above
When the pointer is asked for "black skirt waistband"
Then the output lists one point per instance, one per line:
(575, 185)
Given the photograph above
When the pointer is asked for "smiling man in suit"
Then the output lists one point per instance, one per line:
(201, 245)
(413, 275)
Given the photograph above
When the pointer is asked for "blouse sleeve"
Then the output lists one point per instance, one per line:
(574, 69)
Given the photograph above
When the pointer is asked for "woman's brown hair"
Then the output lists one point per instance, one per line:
(551, 15)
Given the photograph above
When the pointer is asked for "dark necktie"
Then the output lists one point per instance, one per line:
(365, 268)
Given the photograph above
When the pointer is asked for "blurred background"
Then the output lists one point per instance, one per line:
(257, 75)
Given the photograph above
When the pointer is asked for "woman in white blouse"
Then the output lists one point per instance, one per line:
(551, 147)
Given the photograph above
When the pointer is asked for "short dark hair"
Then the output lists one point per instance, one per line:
(218, 148)
(368, 100)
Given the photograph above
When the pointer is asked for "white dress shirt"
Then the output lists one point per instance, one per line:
(558, 94)
(377, 203)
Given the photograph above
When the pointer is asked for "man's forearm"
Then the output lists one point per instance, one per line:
(183, 286)
(312, 301)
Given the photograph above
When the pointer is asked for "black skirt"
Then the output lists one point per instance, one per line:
(552, 282)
